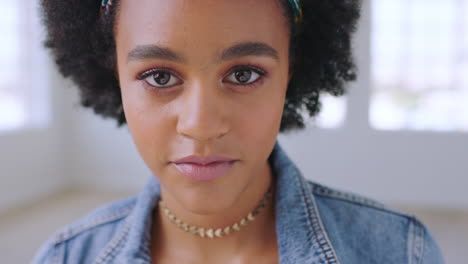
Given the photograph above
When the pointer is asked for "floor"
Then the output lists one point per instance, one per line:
(23, 231)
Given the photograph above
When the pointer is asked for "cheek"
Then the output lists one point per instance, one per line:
(149, 126)
(262, 117)
(260, 120)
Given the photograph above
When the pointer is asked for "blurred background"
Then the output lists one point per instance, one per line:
(400, 135)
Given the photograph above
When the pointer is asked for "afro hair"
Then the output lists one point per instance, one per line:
(82, 43)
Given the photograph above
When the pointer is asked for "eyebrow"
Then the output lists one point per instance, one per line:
(242, 49)
(143, 52)
(249, 49)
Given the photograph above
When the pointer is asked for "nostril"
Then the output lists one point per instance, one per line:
(202, 127)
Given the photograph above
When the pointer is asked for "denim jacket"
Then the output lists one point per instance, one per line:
(314, 224)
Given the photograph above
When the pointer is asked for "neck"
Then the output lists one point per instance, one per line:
(258, 236)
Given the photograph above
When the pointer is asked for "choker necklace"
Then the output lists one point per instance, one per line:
(217, 232)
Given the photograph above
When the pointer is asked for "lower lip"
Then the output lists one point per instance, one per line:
(204, 172)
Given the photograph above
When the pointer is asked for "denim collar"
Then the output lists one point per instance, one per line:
(300, 232)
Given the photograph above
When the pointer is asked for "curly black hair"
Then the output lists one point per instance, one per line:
(82, 42)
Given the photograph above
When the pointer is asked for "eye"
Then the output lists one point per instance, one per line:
(245, 75)
(160, 78)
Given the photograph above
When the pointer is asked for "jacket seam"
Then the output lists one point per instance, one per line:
(410, 242)
(70, 232)
(415, 242)
(325, 237)
(347, 196)
(356, 199)
(116, 243)
(56, 256)
(314, 221)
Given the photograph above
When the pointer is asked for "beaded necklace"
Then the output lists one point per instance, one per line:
(221, 231)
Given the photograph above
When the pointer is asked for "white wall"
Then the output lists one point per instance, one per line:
(32, 160)
(404, 168)
(101, 155)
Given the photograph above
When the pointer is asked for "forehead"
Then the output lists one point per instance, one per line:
(198, 24)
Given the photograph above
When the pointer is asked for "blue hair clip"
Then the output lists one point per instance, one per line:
(296, 4)
(105, 6)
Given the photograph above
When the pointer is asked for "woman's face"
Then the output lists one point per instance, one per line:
(215, 83)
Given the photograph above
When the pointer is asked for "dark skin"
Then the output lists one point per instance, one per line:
(202, 108)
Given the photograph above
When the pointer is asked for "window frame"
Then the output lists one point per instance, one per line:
(33, 65)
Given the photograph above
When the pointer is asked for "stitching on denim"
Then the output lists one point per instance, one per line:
(421, 240)
(410, 243)
(145, 248)
(58, 255)
(70, 232)
(309, 220)
(325, 239)
(146, 243)
(312, 216)
(114, 245)
(55, 257)
(348, 196)
(417, 249)
(354, 198)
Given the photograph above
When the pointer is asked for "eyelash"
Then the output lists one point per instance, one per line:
(146, 74)
(262, 74)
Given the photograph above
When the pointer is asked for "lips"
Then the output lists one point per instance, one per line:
(206, 172)
(204, 160)
(204, 168)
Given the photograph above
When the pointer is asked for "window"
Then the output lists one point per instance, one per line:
(332, 114)
(419, 62)
(23, 77)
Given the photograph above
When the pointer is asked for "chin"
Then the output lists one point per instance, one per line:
(208, 202)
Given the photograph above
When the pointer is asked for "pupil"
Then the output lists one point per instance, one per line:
(243, 76)
(162, 78)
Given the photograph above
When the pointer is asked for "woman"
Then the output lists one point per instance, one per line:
(204, 87)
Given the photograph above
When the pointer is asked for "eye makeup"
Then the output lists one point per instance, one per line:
(255, 70)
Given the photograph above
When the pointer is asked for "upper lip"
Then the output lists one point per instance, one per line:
(203, 160)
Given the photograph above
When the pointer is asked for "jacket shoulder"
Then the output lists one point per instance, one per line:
(364, 230)
(347, 198)
(88, 234)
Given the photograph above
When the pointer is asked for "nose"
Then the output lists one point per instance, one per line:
(203, 113)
